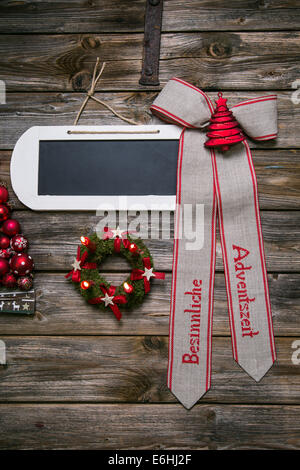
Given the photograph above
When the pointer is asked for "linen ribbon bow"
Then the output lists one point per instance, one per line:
(110, 299)
(223, 182)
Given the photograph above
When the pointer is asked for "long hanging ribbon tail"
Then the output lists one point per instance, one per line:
(189, 369)
(244, 262)
(226, 183)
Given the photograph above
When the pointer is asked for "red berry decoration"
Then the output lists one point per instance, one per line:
(6, 253)
(4, 266)
(9, 280)
(3, 194)
(11, 227)
(25, 282)
(19, 243)
(4, 241)
(21, 264)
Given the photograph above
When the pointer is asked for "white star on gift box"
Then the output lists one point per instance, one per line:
(108, 300)
(148, 273)
(76, 265)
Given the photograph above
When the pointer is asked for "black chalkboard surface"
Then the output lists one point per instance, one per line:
(107, 167)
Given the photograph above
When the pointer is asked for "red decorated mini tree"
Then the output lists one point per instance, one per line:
(15, 264)
(223, 130)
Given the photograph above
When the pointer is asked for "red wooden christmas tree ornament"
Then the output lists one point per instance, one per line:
(223, 129)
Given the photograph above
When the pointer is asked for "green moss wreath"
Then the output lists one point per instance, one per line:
(95, 289)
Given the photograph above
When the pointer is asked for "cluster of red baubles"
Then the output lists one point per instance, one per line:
(15, 265)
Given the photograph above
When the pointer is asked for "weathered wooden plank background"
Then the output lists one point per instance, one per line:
(74, 377)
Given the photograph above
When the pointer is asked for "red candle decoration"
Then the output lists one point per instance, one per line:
(4, 212)
(88, 243)
(128, 288)
(133, 248)
(86, 285)
(11, 227)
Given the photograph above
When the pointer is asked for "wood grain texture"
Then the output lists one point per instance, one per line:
(45, 16)
(54, 237)
(149, 427)
(106, 381)
(24, 110)
(60, 310)
(277, 171)
(131, 369)
(262, 61)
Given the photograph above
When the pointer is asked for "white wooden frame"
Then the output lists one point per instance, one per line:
(25, 161)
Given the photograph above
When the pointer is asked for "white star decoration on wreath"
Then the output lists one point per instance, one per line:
(148, 273)
(76, 265)
(108, 300)
(117, 232)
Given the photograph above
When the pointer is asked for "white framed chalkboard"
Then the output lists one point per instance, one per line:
(96, 167)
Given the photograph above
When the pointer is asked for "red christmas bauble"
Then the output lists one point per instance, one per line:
(4, 266)
(6, 253)
(25, 282)
(4, 241)
(21, 264)
(11, 227)
(9, 280)
(3, 194)
(4, 212)
(19, 243)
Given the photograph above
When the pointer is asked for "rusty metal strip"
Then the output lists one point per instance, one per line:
(153, 19)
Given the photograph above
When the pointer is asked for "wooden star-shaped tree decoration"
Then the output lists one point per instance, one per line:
(108, 300)
(76, 265)
(117, 232)
(148, 273)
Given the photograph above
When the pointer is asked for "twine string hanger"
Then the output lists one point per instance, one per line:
(90, 95)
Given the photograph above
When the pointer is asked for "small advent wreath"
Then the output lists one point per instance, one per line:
(95, 288)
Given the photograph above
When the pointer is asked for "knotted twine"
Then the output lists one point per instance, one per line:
(90, 95)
